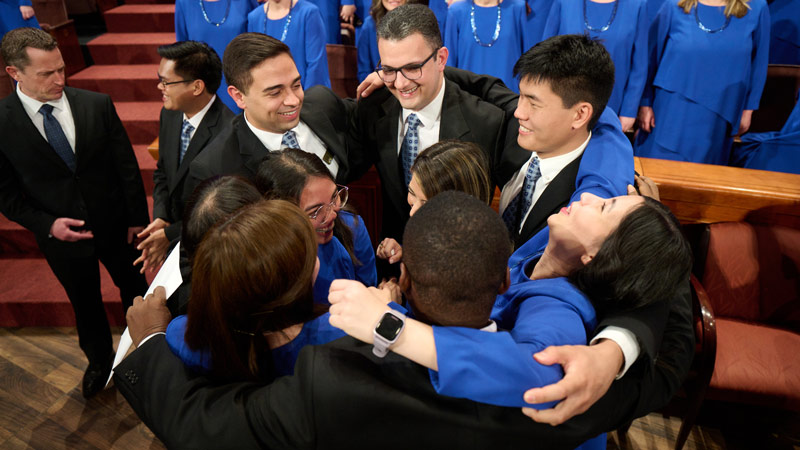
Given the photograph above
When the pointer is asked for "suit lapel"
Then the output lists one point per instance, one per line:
(556, 195)
(80, 116)
(250, 148)
(23, 124)
(386, 131)
(321, 125)
(452, 124)
(171, 145)
(198, 142)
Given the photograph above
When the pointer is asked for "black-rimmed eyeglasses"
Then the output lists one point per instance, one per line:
(410, 71)
(168, 83)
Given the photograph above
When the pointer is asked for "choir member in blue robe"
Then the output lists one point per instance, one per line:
(784, 46)
(439, 8)
(216, 23)
(621, 25)
(367, 38)
(11, 16)
(314, 332)
(778, 151)
(299, 25)
(489, 44)
(537, 13)
(706, 74)
(335, 263)
(329, 10)
(652, 8)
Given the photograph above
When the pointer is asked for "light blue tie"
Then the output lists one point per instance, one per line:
(410, 148)
(56, 137)
(289, 140)
(512, 215)
(186, 137)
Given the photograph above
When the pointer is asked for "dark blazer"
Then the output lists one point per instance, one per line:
(170, 176)
(375, 130)
(340, 396)
(37, 187)
(237, 151)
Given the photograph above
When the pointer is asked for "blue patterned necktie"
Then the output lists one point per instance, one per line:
(186, 137)
(56, 137)
(289, 140)
(410, 148)
(512, 215)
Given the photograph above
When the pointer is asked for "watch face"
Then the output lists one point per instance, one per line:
(389, 327)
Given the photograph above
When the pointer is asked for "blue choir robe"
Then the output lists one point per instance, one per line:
(11, 17)
(784, 46)
(329, 10)
(652, 8)
(439, 8)
(778, 151)
(335, 263)
(191, 25)
(535, 21)
(314, 332)
(367, 44)
(497, 60)
(625, 39)
(699, 83)
(305, 38)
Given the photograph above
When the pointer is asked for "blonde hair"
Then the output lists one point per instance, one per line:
(736, 8)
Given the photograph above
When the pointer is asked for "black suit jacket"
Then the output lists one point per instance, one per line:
(237, 151)
(340, 396)
(37, 187)
(375, 131)
(170, 175)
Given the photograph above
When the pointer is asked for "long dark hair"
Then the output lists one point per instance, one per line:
(639, 263)
(253, 273)
(283, 174)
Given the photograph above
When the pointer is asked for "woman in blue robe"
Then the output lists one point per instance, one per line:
(12, 15)
(778, 151)
(299, 26)
(216, 23)
(537, 13)
(784, 46)
(707, 68)
(621, 25)
(492, 42)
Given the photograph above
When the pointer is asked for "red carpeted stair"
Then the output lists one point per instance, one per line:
(125, 67)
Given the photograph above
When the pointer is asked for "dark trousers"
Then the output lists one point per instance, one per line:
(80, 278)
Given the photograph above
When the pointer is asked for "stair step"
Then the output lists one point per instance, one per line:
(123, 82)
(128, 48)
(140, 120)
(147, 165)
(141, 18)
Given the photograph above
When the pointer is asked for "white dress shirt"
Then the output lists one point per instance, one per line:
(197, 118)
(306, 138)
(430, 118)
(61, 112)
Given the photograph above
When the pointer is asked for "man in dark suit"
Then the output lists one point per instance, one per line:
(417, 108)
(264, 82)
(341, 395)
(189, 74)
(68, 173)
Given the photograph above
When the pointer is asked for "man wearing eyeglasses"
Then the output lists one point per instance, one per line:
(188, 77)
(418, 108)
(264, 82)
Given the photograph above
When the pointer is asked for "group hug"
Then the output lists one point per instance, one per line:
(561, 316)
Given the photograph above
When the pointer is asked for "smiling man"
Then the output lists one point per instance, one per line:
(264, 82)
(417, 109)
(188, 77)
(68, 174)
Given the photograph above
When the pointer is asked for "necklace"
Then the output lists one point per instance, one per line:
(475, 29)
(224, 18)
(604, 27)
(706, 29)
(285, 26)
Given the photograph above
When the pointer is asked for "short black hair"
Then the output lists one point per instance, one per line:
(409, 19)
(641, 262)
(247, 51)
(577, 68)
(455, 251)
(195, 61)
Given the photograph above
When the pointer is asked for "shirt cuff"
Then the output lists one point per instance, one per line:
(626, 341)
(148, 338)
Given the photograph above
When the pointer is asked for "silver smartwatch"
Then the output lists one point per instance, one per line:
(387, 331)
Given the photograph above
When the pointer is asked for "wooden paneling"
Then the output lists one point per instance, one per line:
(67, 38)
(342, 68)
(708, 193)
(365, 195)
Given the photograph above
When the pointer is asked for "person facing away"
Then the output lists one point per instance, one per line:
(188, 77)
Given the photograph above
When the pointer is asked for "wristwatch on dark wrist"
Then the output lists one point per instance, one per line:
(387, 331)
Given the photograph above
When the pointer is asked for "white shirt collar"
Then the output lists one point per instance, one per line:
(431, 113)
(272, 141)
(32, 105)
(197, 118)
(551, 167)
(492, 327)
